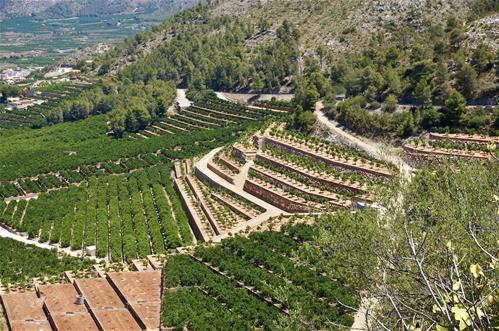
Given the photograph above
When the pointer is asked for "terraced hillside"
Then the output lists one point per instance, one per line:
(239, 283)
(124, 216)
(125, 208)
(51, 95)
(116, 301)
(273, 172)
(207, 113)
(248, 283)
(436, 148)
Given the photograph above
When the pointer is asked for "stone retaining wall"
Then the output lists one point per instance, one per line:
(275, 199)
(243, 153)
(220, 173)
(317, 179)
(194, 221)
(234, 207)
(332, 163)
(419, 160)
(204, 206)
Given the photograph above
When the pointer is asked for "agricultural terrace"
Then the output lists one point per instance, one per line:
(115, 194)
(125, 216)
(279, 105)
(70, 145)
(115, 301)
(273, 172)
(435, 148)
(34, 116)
(244, 283)
(213, 211)
(207, 113)
(247, 283)
(21, 263)
(61, 179)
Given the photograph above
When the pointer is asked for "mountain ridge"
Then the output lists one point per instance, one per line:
(54, 9)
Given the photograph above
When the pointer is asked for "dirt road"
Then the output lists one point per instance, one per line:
(375, 149)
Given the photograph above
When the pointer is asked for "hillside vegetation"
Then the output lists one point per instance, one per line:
(349, 25)
(111, 166)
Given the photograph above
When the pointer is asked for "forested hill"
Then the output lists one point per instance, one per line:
(430, 62)
(345, 26)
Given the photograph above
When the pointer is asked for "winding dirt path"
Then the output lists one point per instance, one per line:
(375, 149)
(4, 233)
(270, 210)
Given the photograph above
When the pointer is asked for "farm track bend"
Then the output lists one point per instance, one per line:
(375, 149)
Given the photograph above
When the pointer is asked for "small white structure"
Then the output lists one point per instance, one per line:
(61, 71)
(20, 104)
(91, 251)
(15, 75)
(13, 99)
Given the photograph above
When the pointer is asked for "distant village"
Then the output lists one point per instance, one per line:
(12, 76)
(16, 103)
(30, 96)
(17, 75)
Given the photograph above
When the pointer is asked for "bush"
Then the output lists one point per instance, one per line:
(391, 104)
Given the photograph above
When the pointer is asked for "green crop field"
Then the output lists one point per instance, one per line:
(41, 42)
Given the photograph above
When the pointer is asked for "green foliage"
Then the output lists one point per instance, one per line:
(430, 118)
(391, 103)
(455, 107)
(20, 263)
(213, 55)
(303, 120)
(69, 145)
(9, 90)
(422, 93)
(353, 114)
(119, 214)
(132, 107)
(482, 58)
(419, 68)
(466, 78)
(306, 96)
(429, 255)
(263, 264)
(482, 8)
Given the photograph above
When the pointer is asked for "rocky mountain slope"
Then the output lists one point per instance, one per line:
(344, 25)
(72, 8)
(24, 7)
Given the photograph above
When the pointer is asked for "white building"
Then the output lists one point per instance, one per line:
(15, 75)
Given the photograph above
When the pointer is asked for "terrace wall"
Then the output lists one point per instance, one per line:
(273, 107)
(275, 199)
(283, 182)
(464, 139)
(420, 160)
(199, 195)
(220, 173)
(234, 207)
(203, 177)
(243, 153)
(332, 163)
(194, 221)
(317, 179)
